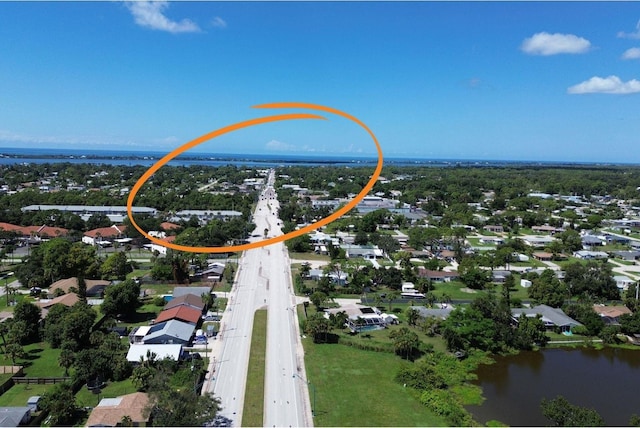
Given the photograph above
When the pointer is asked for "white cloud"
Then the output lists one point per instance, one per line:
(149, 14)
(605, 85)
(279, 146)
(218, 22)
(633, 53)
(9, 139)
(553, 44)
(634, 35)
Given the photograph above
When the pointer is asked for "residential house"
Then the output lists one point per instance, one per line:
(446, 254)
(69, 300)
(494, 228)
(611, 314)
(623, 282)
(500, 276)
(438, 275)
(551, 317)
(360, 317)
(196, 291)
(189, 300)
(543, 256)
(367, 252)
(627, 255)
(590, 241)
(538, 241)
(140, 352)
(492, 240)
(169, 332)
(15, 416)
(616, 239)
(168, 226)
(104, 236)
(110, 411)
(441, 312)
(339, 278)
(320, 238)
(180, 313)
(161, 249)
(212, 273)
(546, 229)
(591, 255)
(95, 287)
(138, 333)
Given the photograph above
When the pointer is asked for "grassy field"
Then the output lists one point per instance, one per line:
(40, 361)
(86, 398)
(18, 395)
(352, 387)
(253, 411)
(309, 256)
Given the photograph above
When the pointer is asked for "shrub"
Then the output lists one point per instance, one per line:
(443, 403)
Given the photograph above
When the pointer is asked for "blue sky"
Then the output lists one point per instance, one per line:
(551, 81)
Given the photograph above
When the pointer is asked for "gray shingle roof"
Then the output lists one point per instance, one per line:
(170, 331)
(549, 315)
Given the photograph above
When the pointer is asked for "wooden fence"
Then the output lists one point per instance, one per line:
(10, 369)
(40, 380)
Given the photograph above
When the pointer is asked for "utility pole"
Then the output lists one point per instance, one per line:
(313, 391)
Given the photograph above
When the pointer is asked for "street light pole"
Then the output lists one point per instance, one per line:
(6, 285)
(313, 391)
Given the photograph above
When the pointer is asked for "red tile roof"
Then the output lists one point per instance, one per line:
(10, 227)
(107, 232)
(42, 231)
(169, 226)
(49, 231)
(181, 313)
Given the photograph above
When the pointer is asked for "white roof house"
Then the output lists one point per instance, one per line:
(161, 351)
(623, 282)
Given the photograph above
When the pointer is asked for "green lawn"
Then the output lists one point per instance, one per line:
(253, 411)
(454, 289)
(308, 256)
(622, 262)
(40, 361)
(351, 387)
(18, 394)
(86, 398)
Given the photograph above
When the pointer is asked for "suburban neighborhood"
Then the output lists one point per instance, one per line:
(400, 273)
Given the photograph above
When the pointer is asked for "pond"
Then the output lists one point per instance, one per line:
(606, 380)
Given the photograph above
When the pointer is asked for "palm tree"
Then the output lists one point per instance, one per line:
(412, 316)
(391, 296)
(404, 341)
(66, 359)
(305, 268)
(317, 325)
(4, 331)
(445, 298)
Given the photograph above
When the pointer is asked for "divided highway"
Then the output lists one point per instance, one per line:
(263, 280)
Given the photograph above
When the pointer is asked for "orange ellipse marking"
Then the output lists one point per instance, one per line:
(246, 124)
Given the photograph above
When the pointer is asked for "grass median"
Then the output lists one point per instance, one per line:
(253, 411)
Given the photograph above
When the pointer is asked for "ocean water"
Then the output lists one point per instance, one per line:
(17, 155)
(9, 156)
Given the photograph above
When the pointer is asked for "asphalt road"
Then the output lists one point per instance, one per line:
(263, 280)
